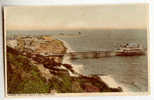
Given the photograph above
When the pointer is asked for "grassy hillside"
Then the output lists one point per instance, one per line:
(28, 73)
(23, 77)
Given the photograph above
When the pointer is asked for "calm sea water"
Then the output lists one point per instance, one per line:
(131, 72)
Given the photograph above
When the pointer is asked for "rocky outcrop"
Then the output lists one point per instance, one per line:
(42, 45)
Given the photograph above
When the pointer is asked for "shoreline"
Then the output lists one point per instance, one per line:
(67, 60)
(108, 79)
(51, 72)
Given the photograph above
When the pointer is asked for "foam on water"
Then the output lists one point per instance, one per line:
(129, 72)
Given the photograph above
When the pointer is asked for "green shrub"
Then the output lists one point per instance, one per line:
(23, 77)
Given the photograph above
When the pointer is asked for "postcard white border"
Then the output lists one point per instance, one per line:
(78, 2)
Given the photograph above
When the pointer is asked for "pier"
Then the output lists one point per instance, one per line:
(85, 55)
(98, 54)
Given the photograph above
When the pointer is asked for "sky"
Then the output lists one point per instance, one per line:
(126, 16)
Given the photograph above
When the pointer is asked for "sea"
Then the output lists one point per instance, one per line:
(130, 72)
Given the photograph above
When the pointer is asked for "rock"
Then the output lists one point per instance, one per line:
(76, 87)
(109, 81)
(12, 43)
(48, 38)
(69, 67)
(57, 71)
(88, 87)
(44, 72)
(63, 72)
(58, 59)
(44, 45)
(118, 89)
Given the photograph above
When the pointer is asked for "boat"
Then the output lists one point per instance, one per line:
(130, 49)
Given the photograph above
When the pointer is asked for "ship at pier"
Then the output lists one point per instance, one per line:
(130, 49)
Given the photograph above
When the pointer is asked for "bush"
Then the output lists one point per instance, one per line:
(23, 77)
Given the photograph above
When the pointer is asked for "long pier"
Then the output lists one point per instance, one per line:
(99, 54)
(85, 55)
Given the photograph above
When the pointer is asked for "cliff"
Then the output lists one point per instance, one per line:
(29, 70)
